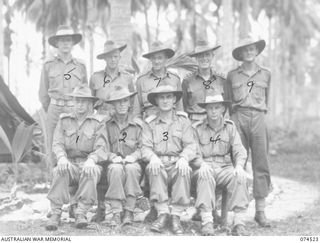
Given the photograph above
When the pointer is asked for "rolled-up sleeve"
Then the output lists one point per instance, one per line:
(239, 153)
(189, 144)
(101, 148)
(43, 90)
(147, 143)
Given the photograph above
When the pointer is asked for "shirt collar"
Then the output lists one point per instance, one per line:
(153, 75)
(159, 120)
(72, 59)
(223, 124)
(107, 74)
(241, 70)
(130, 119)
(211, 73)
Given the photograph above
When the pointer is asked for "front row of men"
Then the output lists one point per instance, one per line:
(100, 158)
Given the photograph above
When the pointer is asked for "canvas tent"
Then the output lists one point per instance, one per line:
(11, 115)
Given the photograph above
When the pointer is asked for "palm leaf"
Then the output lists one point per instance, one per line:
(5, 139)
(183, 61)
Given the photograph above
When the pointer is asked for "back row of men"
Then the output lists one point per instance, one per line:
(159, 129)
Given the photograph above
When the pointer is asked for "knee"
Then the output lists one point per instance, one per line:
(131, 168)
(116, 169)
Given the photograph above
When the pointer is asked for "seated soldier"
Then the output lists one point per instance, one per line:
(76, 175)
(219, 141)
(122, 134)
(168, 145)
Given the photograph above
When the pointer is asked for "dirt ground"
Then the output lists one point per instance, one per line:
(293, 206)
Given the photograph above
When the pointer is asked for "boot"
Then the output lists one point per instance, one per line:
(128, 217)
(53, 222)
(261, 219)
(176, 225)
(99, 216)
(115, 220)
(207, 229)
(239, 230)
(160, 223)
(81, 221)
(196, 216)
(151, 216)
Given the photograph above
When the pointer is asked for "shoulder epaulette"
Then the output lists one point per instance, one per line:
(150, 118)
(182, 113)
(235, 69)
(174, 74)
(219, 74)
(197, 123)
(144, 74)
(97, 72)
(80, 61)
(100, 117)
(138, 121)
(49, 59)
(229, 121)
(64, 115)
(189, 75)
(264, 68)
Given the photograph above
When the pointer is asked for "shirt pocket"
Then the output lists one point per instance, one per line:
(54, 78)
(205, 145)
(129, 146)
(70, 138)
(145, 91)
(176, 141)
(77, 77)
(223, 145)
(259, 90)
(87, 140)
(239, 89)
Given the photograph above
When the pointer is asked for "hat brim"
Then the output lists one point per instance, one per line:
(151, 96)
(103, 55)
(193, 54)
(225, 103)
(83, 96)
(120, 98)
(236, 53)
(169, 52)
(75, 37)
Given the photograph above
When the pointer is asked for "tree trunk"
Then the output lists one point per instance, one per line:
(1, 38)
(226, 30)
(146, 17)
(244, 20)
(121, 28)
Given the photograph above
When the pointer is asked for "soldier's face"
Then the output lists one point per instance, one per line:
(165, 101)
(204, 59)
(158, 60)
(65, 44)
(122, 106)
(215, 111)
(112, 59)
(249, 53)
(82, 105)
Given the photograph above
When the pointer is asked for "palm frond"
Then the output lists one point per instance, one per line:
(5, 139)
(183, 61)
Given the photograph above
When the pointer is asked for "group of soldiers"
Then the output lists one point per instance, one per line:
(111, 136)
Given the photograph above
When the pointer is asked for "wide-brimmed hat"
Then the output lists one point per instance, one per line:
(203, 46)
(119, 93)
(82, 92)
(213, 99)
(163, 90)
(109, 47)
(260, 44)
(159, 47)
(64, 31)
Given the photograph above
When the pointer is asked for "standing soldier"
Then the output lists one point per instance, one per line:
(219, 141)
(157, 76)
(102, 82)
(77, 151)
(248, 88)
(59, 76)
(168, 145)
(122, 135)
(205, 81)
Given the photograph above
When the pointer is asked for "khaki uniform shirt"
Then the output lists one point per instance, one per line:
(217, 145)
(122, 142)
(168, 141)
(102, 84)
(78, 141)
(195, 89)
(59, 78)
(146, 83)
(248, 91)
